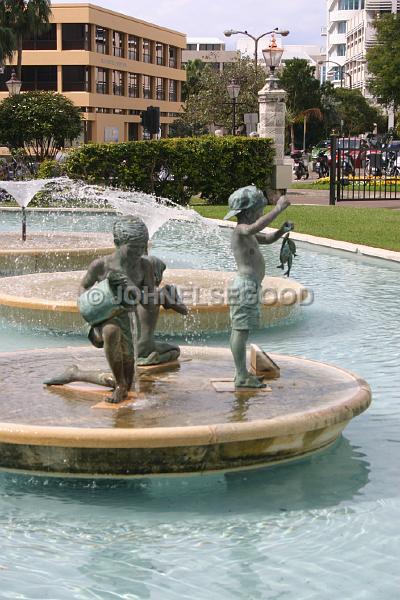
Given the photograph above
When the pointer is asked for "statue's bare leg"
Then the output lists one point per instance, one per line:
(75, 373)
(243, 378)
(113, 347)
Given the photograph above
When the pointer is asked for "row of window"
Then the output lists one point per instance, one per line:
(205, 47)
(156, 88)
(78, 79)
(350, 4)
(77, 36)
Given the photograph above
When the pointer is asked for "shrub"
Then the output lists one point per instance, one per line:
(49, 168)
(178, 168)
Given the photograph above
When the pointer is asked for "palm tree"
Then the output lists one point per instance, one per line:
(23, 18)
(193, 70)
(293, 118)
(7, 43)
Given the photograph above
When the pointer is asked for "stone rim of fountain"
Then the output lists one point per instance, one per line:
(334, 416)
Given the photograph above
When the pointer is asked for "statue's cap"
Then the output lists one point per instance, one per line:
(130, 229)
(245, 198)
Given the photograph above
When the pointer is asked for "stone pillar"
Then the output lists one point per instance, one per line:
(272, 109)
(272, 112)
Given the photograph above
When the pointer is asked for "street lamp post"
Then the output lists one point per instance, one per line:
(282, 32)
(272, 106)
(341, 71)
(272, 56)
(233, 88)
(14, 88)
(13, 84)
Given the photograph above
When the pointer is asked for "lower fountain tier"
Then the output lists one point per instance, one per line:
(177, 424)
(49, 251)
(47, 301)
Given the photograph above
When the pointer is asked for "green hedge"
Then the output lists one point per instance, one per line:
(178, 168)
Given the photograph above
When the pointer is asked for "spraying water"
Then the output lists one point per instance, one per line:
(23, 192)
(155, 211)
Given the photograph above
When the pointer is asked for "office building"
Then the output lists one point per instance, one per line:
(209, 50)
(111, 65)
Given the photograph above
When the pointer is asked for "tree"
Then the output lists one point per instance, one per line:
(303, 96)
(38, 123)
(7, 43)
(356, 115)
(384, 60)
(210, 104)
(23, 18)
(193, 70)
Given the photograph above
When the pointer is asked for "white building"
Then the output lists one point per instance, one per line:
(209, 50)
(350, 33)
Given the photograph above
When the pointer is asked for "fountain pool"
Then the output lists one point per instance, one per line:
(323, 528)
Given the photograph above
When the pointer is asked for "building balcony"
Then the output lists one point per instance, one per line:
(381, 5)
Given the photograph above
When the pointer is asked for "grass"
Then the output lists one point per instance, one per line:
(378, 227)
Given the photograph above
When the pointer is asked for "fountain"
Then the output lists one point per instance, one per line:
(187, 416)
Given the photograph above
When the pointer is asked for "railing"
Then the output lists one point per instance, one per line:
(364, 169)
(101, 87)
(387, 5)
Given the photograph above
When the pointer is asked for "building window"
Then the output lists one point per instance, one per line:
(39, 78)
(159, 53)
(173, 56)
(351, 4)
(118, 83)
(210, 47)
(101, 80)
(101, 40)
(133, 85)
(133, 47)
(44, 41)
(342, 26)
(160, 94)
(337, 74)
(146, 86)
(118, 43)
(75, 78)
(147, 58)
(75, 36)
(341, 49)
(191, 47)
(87, 131)
(133, 132)
(173, 90)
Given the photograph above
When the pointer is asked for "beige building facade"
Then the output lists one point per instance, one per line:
(110, 65)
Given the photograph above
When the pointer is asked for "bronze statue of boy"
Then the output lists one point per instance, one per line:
(113, 287)
(247, 204)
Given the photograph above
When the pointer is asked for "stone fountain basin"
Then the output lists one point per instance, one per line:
(43, 252)
(47, 301)
(178, 423)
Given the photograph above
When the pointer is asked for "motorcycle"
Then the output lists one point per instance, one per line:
(322, 165)
(393, 164)
(300, 169)
(347, 164)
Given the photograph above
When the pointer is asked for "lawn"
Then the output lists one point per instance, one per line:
(379, 227)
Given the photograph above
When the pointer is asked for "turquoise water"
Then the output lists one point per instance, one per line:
(326, 528)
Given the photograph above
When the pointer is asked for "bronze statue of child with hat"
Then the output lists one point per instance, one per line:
(247, 204)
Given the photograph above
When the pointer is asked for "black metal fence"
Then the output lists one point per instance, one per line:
(364, 169)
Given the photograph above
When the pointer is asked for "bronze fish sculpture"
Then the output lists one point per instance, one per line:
(287, 253)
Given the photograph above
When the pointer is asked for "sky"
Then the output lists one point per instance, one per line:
(209, 18)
